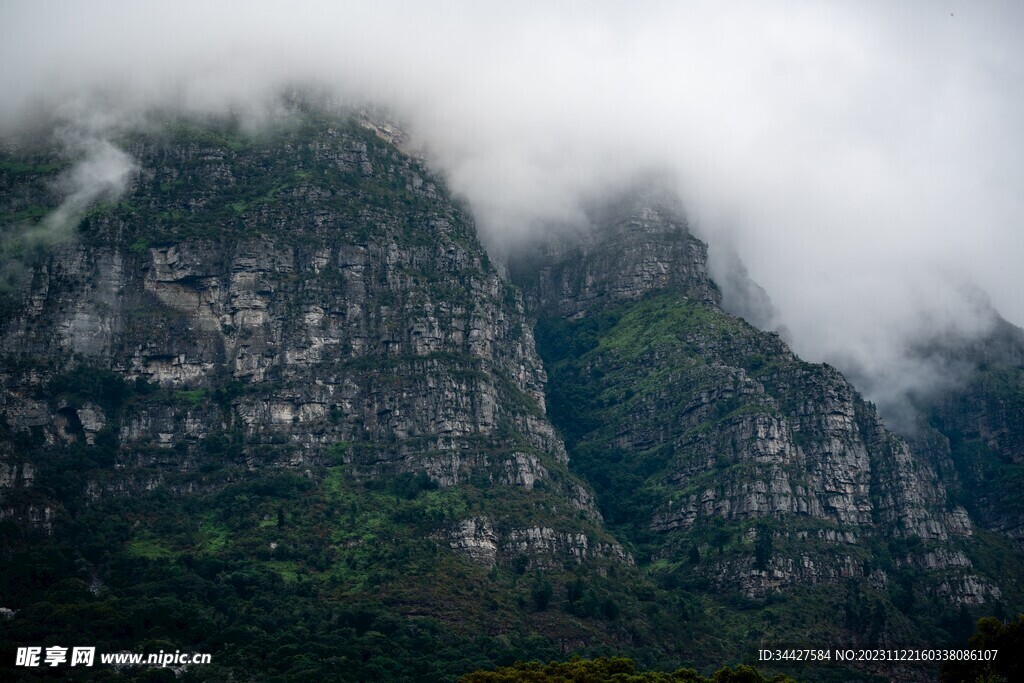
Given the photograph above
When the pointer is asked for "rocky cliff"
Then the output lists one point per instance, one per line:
(313, 296)
(275, 402)
(715, 450)
(976, 426)
(636, 242)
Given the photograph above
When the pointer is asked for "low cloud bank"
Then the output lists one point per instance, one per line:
(861, 159)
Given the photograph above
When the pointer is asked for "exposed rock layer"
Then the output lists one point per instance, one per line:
(313, 298)
(737, 447)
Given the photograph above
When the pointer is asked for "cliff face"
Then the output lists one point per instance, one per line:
(977, 427)
(309, 298)
(279, 389)
(642, 245)
(711, 446)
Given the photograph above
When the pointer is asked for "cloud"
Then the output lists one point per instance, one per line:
(100, 173)
(861, 158)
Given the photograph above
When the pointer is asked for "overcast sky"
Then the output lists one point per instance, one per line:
(864, 158)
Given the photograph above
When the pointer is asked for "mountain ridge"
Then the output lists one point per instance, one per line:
(284, 365)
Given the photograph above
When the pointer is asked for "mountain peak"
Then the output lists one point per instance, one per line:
(636, 240)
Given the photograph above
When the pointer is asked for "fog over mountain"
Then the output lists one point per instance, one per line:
(862, 159)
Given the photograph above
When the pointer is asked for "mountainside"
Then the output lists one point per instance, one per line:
(980, 423)
(728, 464)
(276, 404)
(283, 365)
(326, 307)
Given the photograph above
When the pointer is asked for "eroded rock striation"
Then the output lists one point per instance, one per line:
(710, 443)
(308, 298)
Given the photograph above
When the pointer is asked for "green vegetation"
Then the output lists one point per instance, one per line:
(637, 365)
(287, 575)
(1005, 638)
(345, 566)
(612, 670)
(192, 397)
(139, 246)
(644, 390)
(148, 548)
(348, 173)
(21, 167)
(982, 422)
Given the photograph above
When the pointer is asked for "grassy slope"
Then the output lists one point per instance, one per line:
(638, 364)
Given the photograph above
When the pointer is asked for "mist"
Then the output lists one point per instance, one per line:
(100, 175)
(860, 159)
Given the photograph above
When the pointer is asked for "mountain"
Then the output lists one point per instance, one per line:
(282, 365)
(277, 404)
(325, 307)
(730, 466)
(978, 424)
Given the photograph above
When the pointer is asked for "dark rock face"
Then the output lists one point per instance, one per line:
(976, 428)
(707, 434)
(284, 365)
(643, 245)
(315, 297)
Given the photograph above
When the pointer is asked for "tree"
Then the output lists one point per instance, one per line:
(991, 635)
(541, 592)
